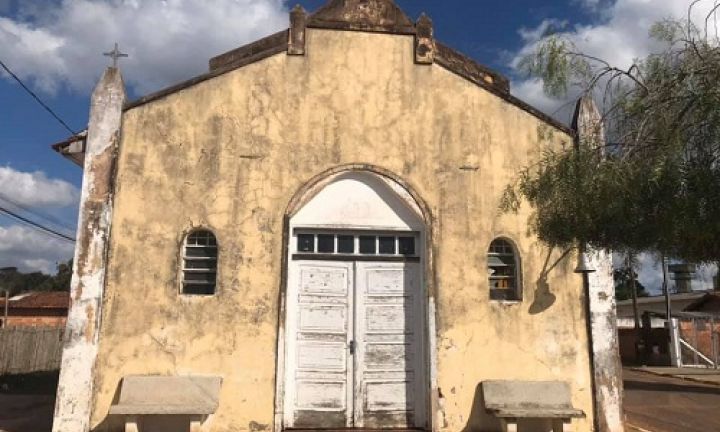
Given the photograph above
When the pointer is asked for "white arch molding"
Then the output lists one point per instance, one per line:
(313, 355)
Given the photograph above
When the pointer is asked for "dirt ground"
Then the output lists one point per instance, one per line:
(27, 402)
(667, 404)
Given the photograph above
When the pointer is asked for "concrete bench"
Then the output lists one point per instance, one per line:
(192, 396)
(510, 401)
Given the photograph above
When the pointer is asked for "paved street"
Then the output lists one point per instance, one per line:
(666, 404)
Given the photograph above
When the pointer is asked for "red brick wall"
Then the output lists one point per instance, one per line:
(704, 339)
(39, 317)
(36, 321)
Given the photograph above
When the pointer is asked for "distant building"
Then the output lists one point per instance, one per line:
(654, 335)
(656, 304)
(35, 309)
(709, 304)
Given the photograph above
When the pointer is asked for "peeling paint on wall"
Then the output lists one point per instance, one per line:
(351, 99)
(75, 388)
(607, 371)
(605, 347)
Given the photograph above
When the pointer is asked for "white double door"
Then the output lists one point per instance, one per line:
(354, 346)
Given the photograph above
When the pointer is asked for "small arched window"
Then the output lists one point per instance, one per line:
(504, 271)
(200, 257)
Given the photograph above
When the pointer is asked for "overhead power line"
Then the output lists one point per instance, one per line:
(46, 217)
(31, 93)
(35, 224)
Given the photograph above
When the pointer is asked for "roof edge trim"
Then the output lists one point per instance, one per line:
(240, 62)
(276, 40)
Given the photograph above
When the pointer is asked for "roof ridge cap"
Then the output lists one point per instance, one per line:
(368, 15)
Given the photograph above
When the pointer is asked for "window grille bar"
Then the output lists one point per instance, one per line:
(200, 272)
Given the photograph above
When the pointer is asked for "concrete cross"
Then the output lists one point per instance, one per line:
(115, 54)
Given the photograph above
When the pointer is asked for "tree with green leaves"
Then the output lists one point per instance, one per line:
(17, 282)
(654, 184)
(624, 282)
(60, 281)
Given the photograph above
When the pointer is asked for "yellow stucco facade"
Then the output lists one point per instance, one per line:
(231, 152)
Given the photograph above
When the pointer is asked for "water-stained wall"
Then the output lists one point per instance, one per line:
(229, 154)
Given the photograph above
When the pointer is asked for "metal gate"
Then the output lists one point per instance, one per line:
(698, 339)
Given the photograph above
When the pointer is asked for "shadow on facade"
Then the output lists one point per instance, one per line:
(543, 297)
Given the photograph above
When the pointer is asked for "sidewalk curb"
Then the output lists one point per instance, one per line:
(685, 378)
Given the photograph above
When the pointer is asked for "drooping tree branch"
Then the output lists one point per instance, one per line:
(657, 186)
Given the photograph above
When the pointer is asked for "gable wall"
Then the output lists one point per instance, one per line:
(231, 152)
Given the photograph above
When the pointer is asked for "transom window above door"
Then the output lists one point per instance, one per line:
(358, 244)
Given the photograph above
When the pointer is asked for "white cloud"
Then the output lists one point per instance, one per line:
(22, 246)
(650, 274)
(35, 189)
(705, 275)
(30, 250)
(531, 35)
(167, 40)
(531, 91)
(620, 36)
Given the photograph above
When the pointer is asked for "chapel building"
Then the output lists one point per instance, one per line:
(309, 237)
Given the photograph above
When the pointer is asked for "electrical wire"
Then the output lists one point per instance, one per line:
(37, 214)
(36, 225)
(31, 93)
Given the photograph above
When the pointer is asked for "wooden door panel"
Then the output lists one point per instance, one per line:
(322, 356)
(319, 380)
(323, 319)
(388, 395)
(387, 318)
(388, 331)
(388, 357)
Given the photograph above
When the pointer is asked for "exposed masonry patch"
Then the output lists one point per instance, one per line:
(296, 35)
(363, 15)
(424, 41)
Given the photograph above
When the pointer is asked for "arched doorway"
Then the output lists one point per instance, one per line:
(355, 342)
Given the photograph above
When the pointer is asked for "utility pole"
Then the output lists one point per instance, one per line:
(666, 290)
(633, 287)
(7, 303)
(640, 347)
(674, 347)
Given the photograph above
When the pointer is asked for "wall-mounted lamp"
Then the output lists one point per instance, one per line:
(583, 265)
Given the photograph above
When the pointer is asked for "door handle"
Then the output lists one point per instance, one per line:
(351, 346)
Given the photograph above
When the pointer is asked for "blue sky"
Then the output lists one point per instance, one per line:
(56, 47)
